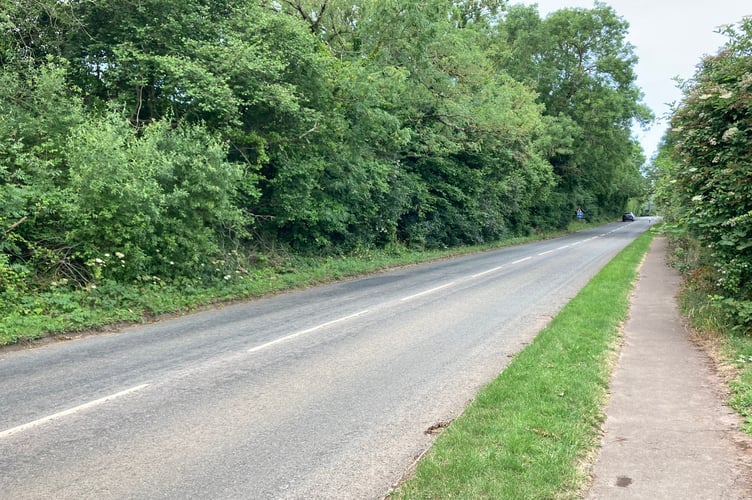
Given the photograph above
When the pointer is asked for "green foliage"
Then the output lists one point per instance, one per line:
(32, 30)
(12, 283)
(36, 114)
(155, 203)
(706, 169)
(174, 138)
(582, 67)
(738, 350)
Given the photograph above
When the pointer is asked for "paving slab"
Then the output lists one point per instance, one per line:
(668, 433)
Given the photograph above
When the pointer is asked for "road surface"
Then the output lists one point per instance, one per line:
(321, 393)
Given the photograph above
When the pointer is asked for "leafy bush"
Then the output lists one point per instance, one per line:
(158, 202)
(711, 133)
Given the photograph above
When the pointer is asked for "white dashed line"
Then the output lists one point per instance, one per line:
(521, 260)
(487, 272)
(410, 297)
(303, 332)
(71, 411)
(432, 290)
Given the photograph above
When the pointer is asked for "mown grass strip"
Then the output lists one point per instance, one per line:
(529, 432)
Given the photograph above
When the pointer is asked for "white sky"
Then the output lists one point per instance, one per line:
(670, 38)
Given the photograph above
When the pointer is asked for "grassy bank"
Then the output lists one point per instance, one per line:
(732, 350)
(528, 433)
(64, 311)
(730, 347)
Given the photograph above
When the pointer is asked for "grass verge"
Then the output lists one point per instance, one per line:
(529, 433)
(731, 350)
(739, 352)
(62, 311)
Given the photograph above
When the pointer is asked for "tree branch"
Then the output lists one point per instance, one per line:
(16, 224)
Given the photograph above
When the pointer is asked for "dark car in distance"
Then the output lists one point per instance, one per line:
(627, 216)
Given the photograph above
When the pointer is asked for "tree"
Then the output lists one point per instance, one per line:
(470, 129)
(581, 66)
(75, 186)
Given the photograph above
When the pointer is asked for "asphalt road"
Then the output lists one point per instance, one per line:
(323, 393)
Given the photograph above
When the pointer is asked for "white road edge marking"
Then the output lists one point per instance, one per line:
(521, 260)
(71, 411)
(303, 332)
(405, 299)
(546, 253)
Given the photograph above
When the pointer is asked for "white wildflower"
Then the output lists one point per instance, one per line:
(746, 81)
(730, 133)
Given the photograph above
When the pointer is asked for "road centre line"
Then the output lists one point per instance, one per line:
(487, 272)
(71, 411)
(521, 260)
(91, 404)
(426, 292)
(303, 332)
(404, 299)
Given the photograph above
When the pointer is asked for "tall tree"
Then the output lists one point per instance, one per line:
(582, 67)
(427, 98)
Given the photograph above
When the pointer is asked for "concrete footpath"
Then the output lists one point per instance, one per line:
(668, 433)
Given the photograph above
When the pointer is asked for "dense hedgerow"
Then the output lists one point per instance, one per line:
(707, 174)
